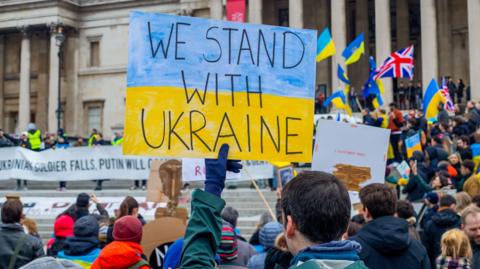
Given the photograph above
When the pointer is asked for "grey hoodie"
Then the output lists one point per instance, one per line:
(50, 263)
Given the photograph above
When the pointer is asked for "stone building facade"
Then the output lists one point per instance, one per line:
(90, 63)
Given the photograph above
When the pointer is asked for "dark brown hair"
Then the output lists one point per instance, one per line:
(127, 206)
(12, 211)
(379, 199)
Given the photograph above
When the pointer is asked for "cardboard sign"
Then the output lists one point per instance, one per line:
(412, 144)
(195, 84)
(356, 154)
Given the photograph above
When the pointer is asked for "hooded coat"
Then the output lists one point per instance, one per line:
(83, 247)
(445, 219)
(120, 254)
(387, 244)
(414, 189)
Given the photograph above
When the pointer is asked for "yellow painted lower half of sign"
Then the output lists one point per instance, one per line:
(160, 121)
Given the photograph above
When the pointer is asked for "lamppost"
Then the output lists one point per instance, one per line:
(59, 38)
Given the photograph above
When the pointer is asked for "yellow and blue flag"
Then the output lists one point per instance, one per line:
(325, 45)
(342, 75)
(412, 144)
(431, 99)
(339, 100)
(354, 50)
(373, 87)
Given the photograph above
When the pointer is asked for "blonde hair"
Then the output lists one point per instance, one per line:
(455, 244)
(463, 200)
(469, 210)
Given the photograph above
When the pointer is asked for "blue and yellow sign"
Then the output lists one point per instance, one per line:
(195, 84)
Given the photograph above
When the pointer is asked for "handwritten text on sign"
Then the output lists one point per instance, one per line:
(195, 84)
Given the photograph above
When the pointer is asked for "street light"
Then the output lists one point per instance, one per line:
(59, 39)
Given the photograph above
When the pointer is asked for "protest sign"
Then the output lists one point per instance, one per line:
(412, 144)
(194, 170)
(90, 163)
(356, 154)
(195, 84)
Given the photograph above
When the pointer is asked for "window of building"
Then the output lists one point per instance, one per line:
(93, 116)
(95, 53)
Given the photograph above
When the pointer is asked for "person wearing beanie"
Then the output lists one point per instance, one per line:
(431, 203)
(83, 247)
(62, 228)
(125, 251)
(268, 235)
(82, 204)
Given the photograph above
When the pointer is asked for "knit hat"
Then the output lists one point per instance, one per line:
(128, 228)
(269, 233)
(63, 226)
(83, 200)
(228, 250)
(86, 227)
(432, 197)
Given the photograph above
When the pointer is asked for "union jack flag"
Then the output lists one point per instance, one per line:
(446, 97)
(398, 65)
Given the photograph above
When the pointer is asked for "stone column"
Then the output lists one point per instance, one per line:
(473, 41)
(53, 83)
(383, 43)
(216, 9)
(403, 24)
(445, 38)
(255, 9)
(2, 71)
(24, 95)
(339, 35)
(428, 21)
(295, 13)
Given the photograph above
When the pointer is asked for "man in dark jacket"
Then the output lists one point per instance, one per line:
(313, 227)
(16, 246)
(445, 219)
(386, 242)
(442, 117)
(471, 227)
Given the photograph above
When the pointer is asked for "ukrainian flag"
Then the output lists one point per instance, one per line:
(339, 100)
(325, 45)
(342, 75)
(431, 100)
(354, 50)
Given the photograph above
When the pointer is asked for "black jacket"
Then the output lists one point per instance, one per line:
(444, 220)
(476, 255)
(386, 244)
(31, 248)
(56, 247)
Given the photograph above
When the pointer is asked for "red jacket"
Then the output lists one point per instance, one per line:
(397, 117)
(119, 255)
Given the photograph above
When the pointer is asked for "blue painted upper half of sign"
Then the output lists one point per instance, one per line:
(162, 47)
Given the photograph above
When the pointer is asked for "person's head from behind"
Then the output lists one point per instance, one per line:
(378, 200)
(12, 211)
(404, 210)
(463, 200)
(83, 200)
(467, 167)
(455, 244)
(448, 201)
(230, 215)
(316, 209)
(268, 234)
(392, 106)
(128, 229)
(128, 207)
(264, 219)
(431, 199)
(86, 227)
(471, 223)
